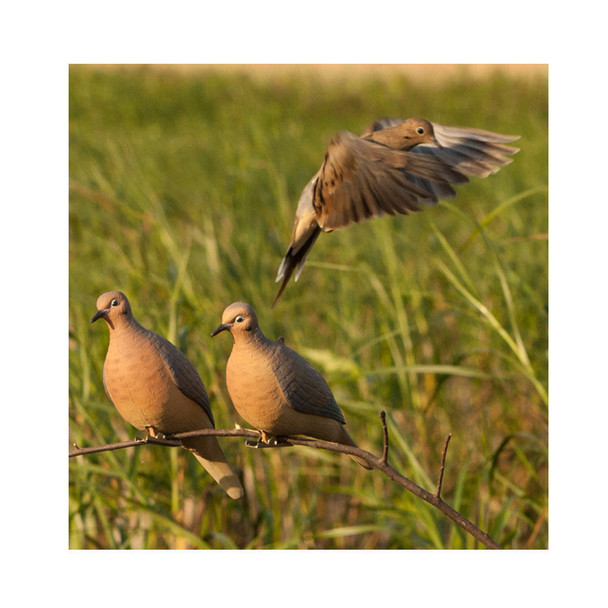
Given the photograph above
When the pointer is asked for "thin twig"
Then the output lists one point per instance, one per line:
(78, 451)
(404, 482)
(385, 435)
(373, 461)
(169, 440)
(445, 451)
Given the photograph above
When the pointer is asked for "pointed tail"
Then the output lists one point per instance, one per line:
(348, 440)
(294, 261)
(208, 452)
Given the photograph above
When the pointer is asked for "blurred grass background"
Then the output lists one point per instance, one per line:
(183, 187)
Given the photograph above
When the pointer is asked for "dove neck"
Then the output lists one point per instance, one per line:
(125, 325)
(252, 337)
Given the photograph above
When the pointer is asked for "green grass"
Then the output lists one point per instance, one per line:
(182, 193)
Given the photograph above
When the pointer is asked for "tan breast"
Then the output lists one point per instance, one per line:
(253, 388)
(142, 389)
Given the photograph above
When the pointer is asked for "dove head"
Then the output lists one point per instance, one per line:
(417, 131)
(114, 308)
(407, 134)
(240, 320)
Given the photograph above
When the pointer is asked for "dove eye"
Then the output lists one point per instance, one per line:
(114, 303)
(420, 130)
(239, 319)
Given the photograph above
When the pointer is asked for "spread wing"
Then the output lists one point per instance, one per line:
(361, 179)
(472, 152)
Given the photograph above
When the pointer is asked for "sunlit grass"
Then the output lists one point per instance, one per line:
(182, 194)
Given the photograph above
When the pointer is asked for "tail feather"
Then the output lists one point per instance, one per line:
(208, 452)
(340, 435)
(362, 462)
(348, 440)
(294, 261)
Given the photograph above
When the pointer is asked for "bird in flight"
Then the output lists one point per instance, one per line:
(393, 167)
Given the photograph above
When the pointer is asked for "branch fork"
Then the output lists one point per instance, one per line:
(255, 439)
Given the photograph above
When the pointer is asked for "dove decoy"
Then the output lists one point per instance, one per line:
(154, 386)
(276, 390)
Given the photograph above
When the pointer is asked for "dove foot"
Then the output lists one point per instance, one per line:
(266, 441)
(154, 433)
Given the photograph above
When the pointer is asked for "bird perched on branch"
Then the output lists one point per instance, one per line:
(393, 167)
(154, 386)
(274, 389)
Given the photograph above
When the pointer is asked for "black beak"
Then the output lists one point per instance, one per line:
(99, 314)
(220, 328)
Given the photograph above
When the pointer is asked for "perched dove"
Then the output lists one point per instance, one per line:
(154, 386)
(275, 389)
(390, 169)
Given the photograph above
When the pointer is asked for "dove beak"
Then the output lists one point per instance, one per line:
(220, 328)
(100, 313)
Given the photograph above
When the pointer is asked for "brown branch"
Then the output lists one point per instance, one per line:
(385, 436)
(404, 482)
(78, 451)
(445, 451)
(169, 440)
(377, 463)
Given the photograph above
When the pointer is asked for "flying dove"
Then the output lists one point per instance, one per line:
(393, 167)
(154, 386)
(274, 389)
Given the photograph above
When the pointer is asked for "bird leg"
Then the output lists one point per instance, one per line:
(266, 441)
(154, 433)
